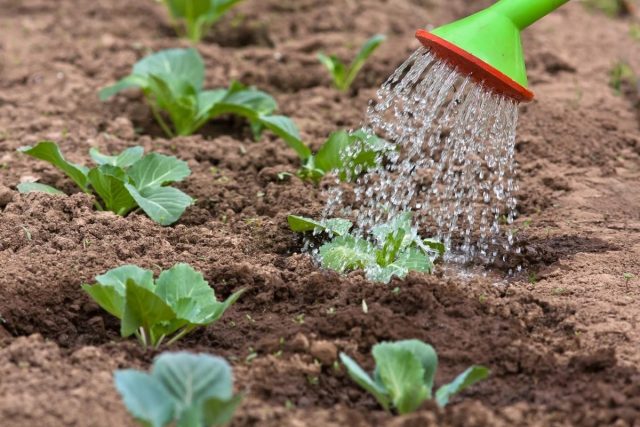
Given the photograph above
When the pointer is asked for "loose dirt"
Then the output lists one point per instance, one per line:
(561, 337)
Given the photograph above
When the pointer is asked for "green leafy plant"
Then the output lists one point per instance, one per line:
(404, 376)
(395, 249)
(347, 153)
(123, 183)
(178, 302)
(198, 16)
(627, 278)
(172, 82)
(182, 390)
(343, 75)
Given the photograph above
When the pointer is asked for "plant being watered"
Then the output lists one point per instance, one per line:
(404, 376)
(348, 154)
(182, 390)
(342, 74)
(178, 302)
(198, 16)
(172, 82)
(395, 248)
(121, 183)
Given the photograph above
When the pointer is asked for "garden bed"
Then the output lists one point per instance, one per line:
(561, 337)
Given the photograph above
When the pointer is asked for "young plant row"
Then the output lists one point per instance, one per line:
(172, 83)
(189, 390)
(194, 18)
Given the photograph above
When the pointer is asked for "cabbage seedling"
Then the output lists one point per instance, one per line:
(182, 390)
(172, 82)
(395, 249)
(404, 375)
(343, 75)
(198, 16)
(178, 302)
(123, 183)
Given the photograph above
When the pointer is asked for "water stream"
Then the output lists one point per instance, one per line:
(453, 165)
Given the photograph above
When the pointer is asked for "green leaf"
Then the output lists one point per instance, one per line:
(156, 169)
(414, 259)
(337, 69)
(402, 374)
(143, 309)
(258, 102)
(199, 15)
(193, 379)
(217, 412)
(286, 129)
(125, 83)
(145, 397)
(123, 160)
(214, 311)
(365, 52)
(173, 64)
(182, 281)
(466, 379)
(334, 226)
(36, 187)
(365, 381)
(108, 181)
(427, 356)
(164, 205)
(118, 277)
(107, 297)
(346, 253)
(49, 152)
(436, 246)
(179, 99)
(329, 157)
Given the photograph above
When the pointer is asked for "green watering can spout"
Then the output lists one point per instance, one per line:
(487, 45)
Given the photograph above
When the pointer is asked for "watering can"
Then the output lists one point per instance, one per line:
(487, 46)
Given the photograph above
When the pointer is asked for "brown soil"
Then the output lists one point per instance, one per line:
(561, 338)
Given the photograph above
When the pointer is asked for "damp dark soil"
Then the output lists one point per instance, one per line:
(560, 336)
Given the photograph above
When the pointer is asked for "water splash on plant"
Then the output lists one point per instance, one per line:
(454, 163)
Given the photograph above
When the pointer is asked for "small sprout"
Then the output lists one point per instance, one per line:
(172, 306)
(250, 319)
(533, 278)
(198, 16)
(482, 298)
(396, 290)
(299, 319)
(331, 310)
(622, 75)
(182, 390)
(313, 380)
(27, 233)
(172, 82)
(365, 307)
(289, 405)
(251, 356)
(283, 176)
(397, 248)
(628, 277)
(122, 183)
(404, 376)
(343, 75)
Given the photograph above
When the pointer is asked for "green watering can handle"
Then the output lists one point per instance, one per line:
(525, 12)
